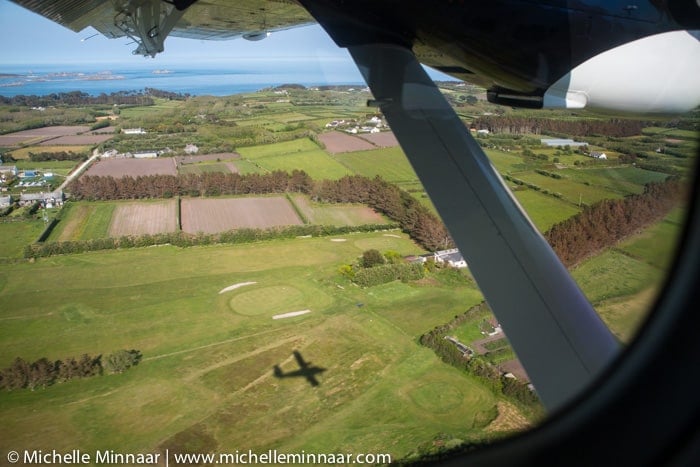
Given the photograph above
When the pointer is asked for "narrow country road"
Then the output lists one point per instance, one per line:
(77, 172)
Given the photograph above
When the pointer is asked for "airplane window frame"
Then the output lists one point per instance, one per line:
(643, 410)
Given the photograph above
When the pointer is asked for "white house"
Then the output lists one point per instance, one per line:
(49, 200)
(134, 131)
(191, 149)
(599, 155)
(452, 257)
(559, 142)
(5, 201)
(11, 169)
(145, 154)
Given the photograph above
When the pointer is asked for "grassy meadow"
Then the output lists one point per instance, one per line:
(16, 235)
(296, 154)
(389, 163)
(206, 376)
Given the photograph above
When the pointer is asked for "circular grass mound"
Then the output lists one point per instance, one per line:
(437, 397)
(269, 300)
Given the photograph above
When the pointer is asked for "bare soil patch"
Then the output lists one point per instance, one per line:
(77, 140)
(220, 215)
(509, 419)
(74, 222)
(133, 167)
(337, 142)
(40, 134)
(144, 218)
(59, 130)
(385, 139)
(224, 156)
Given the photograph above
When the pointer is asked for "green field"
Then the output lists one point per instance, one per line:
(16, 235)
(389, 163)
(671, 133)
(623, 180)
(507, 162)
(657, 244)
(160, 106)
(297, 154)
(571, 191)
(316, 163)
(206, 377)
(84, 221)
(544, 210)
(246, 166)
(622, 288)
(278, 149)
(333, 214)
(613, 274)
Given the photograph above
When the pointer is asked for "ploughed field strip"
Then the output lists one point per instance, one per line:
(337, 142)
(219, 215)
(41, 134)
(144, 218)
(384, 139)
(77, 140)
(133, 167)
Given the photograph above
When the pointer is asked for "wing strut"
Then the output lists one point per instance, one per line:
(552, 327)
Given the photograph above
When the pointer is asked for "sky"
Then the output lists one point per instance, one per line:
(28, 38)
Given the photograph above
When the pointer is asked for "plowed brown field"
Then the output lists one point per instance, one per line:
(144, 218)
(222, 214)
(133, 167)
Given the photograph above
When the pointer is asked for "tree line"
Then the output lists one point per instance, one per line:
(57, 156)
(399, 206)
(610, 220)
(92, 187)
(79, 98)
(43, 372)
(143, 97)
(531, 125)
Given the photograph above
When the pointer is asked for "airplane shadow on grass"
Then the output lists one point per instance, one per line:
(305, 371)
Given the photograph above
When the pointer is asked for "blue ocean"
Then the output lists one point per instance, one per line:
(216, 79)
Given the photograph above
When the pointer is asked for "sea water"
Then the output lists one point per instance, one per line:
(216, 80)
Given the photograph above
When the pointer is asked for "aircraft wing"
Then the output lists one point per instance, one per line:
(149, 22)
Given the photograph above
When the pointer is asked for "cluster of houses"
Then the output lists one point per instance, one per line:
(373, 125)
(7, 172)
(28, 178)
(147, 154)
(47, 200)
